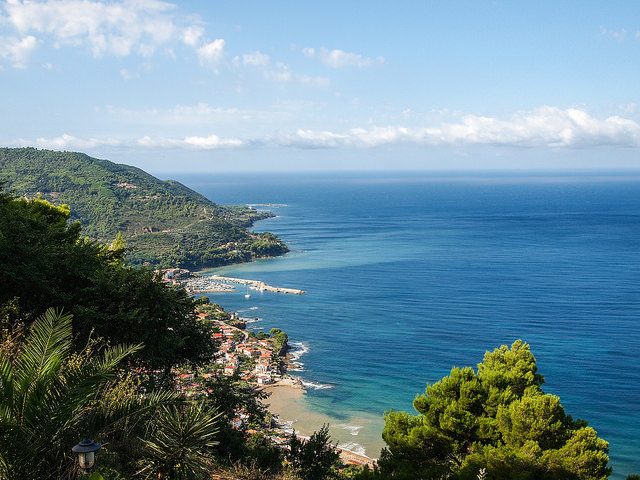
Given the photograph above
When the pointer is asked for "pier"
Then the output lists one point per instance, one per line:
(257, 285)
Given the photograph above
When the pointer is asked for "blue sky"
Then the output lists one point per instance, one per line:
(280, 86)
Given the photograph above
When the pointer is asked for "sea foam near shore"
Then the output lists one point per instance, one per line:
(296, 351)
(293, 412)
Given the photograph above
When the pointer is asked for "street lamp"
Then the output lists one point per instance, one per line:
(86, 451)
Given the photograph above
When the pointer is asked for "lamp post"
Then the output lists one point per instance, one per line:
(86, 451)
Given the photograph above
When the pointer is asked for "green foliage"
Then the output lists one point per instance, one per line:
(261, 335)
(281, 340)
(45, 262)
(213, 309)
(50, 398)
(238, 336)
(266, 245)
(315, 459)
(498, 419)
(140, 306)
(263, 454)
(164, 223)
(280, 343)
(180, 445)
(230, 395)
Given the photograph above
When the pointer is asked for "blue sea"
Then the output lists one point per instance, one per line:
(409, 274)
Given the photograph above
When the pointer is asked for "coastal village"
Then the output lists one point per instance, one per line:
(259, 359)
(256, 358)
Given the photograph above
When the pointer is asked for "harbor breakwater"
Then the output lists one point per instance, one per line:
(257, 285)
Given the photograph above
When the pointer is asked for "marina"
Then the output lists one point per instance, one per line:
(195, 283)
(257, 285)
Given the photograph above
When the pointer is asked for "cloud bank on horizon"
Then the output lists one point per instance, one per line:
(124, 77)
(543, 127)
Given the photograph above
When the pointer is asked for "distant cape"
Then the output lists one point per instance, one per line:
(163, 223)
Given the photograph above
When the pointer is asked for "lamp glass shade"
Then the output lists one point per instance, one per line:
(86, 460)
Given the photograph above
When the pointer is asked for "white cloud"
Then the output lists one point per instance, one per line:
(201, 115)
(69, 142)
(282, 73)
(619, 35)
(339, 58)
(543, 127)
(199, 110)
(211, 142)
(210, 54)
(628, 108)
(320, 139)
(66, 141)
(118, 28)
(128, 76)
(322, 82)
(17, 51)
(192, 35)
(256, 59)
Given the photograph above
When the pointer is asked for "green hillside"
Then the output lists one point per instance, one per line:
(162, 222)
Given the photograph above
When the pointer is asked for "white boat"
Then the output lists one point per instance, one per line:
(246, 295)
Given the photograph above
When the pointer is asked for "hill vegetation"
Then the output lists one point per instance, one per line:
(163, 223)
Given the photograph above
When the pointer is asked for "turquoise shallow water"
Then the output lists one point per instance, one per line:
(409, 274)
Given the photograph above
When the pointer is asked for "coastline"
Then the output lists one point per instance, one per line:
(288, 397)
(287, 401)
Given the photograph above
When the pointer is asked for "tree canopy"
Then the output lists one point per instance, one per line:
(316, 458)
(497, 418)
(47, 263)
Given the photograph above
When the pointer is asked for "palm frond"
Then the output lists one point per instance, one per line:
(44, 349)
(49, 398)
(178, 448)
(7, 389)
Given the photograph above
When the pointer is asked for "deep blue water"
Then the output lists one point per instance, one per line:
(408, 275)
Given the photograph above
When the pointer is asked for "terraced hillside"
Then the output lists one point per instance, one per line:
(163, 223)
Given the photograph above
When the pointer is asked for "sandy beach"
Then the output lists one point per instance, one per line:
(357, 436)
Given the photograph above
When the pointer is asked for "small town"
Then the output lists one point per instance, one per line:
(259, 359)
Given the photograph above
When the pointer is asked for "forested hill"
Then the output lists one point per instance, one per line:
(162, 222)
